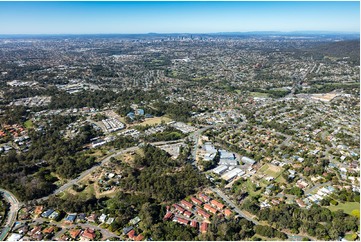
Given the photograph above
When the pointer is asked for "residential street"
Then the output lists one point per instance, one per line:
(232, 205)
(235, 208)
(106, 233)
(308, 191)
(87, 172)
(11, 217)
(64, 187)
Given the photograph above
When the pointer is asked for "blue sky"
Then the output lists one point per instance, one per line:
(176, 17)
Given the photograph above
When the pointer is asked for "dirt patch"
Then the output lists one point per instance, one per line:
(274, 168)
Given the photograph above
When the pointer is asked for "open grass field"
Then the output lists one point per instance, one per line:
(351, 237)
(264, 238)
(28, 124)
(155, 120)
(121, 119)
(258, 94)
(127, 158)
(346, 207)
(139, 152)
(271, 170)
(63, 195)
(85, 194)
(250, 190)
(88, 191)
(280, 179)
(324, 97)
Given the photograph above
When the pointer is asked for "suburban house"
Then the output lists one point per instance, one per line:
(204, 227)
(203, 213)
(168, 216)
(187, 204)
(179, 208)
(196, 201)
(181, 220)
(74, 233)
(209, 208)
(88, 234)
(194, 224)
(217, 204)
(203, 197)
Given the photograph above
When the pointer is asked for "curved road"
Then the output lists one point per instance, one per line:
(104, 161)
(87, 172)
(12, 214)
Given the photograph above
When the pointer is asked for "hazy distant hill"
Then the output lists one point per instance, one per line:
(348, 48)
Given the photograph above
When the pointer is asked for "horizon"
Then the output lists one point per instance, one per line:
(308, 32)
(98, 18)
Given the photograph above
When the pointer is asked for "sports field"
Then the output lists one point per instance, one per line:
(271, 170)
(155, 120)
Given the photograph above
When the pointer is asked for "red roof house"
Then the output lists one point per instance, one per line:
(168, 215)
(217, 204)
(227, 212)
(187, 213)
(88, 234)
(181, 220)
(203, 197)
(204, 227)
(74, 233)
(140, 237)
(209, 208)
(203, 213)
(186, 204)
(196, 201)
(131, 234)
(194, 224)
(179, 208)
(49, 230)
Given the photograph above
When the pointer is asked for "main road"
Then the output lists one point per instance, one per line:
(298, 82)
(195, 137)
(12, 214)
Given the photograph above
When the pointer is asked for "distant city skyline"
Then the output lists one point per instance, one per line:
(176, 17)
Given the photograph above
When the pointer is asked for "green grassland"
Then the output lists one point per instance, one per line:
(351, 237)
(259, 94)
(250, 188)
(154, 121)
(28, 124)
(346, 207)
(270, 170)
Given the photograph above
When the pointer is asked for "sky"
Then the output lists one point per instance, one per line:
(176, 17)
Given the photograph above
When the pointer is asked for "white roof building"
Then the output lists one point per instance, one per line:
(232, 174)
(14, 237)
(102, 218)
(226, 155)
(220, 169)
(228, 162)
(248, 160)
